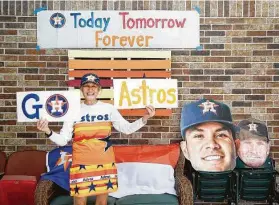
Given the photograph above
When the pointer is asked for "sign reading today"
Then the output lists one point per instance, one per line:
(118, 29)
(137, 93)
(55, 106)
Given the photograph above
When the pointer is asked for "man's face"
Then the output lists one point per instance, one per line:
(210, 147)
(90, 91)
(253, 151)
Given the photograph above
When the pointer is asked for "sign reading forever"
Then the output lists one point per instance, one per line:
(55, 106)
(118, 29)
(137, 93)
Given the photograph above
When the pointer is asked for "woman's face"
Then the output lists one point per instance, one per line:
(90, 91)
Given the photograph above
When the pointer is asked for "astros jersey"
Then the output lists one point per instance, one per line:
(93, 168)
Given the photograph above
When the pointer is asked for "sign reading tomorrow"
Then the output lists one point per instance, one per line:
(137, 93)
(118, 29)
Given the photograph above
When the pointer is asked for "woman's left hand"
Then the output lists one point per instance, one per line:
(151, 112)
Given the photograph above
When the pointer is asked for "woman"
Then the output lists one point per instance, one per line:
(93, 170)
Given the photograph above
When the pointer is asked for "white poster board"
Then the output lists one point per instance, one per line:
(137, 93)
(55, 106)
(118, 29)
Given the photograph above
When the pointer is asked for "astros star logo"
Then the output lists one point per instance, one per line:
(208, 107)
(57, 105)
(91, 78)
(57, 20)
(253, 127)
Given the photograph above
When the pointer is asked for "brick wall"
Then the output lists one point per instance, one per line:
(238, 65)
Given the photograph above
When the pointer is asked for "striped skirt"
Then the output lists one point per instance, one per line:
(88, 180)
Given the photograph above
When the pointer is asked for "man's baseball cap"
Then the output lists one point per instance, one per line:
(205, 111)
(90, 78)
(254, 126)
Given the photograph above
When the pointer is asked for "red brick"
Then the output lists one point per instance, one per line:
(36, 64)
(55, 77)
(241, 65)
(213, 59)
(57, 64)
(256, 33)
(240, 116)
(214, 46)
(214, 97)
(221, 53)
(274, 149)
(252, 8)
(35, 141)
(8, 83)
(213, 84)
(7, 122)
(254, 97)
(159, 129)
(234, 59)
(262, 53)
(213, 72)
(138, 141)
(7, 148)
(272, 110)
(262, 91)
(241, 104)
(27, 135)
(262, 40)
(34, 77)
(35, 52)
(262, 78)
(220, 9)
(199, 78)
(235, 20)
(221, 27)
(272, 46)
(199, 91)
(48, 83)
(15, 51)
(49, 58)
(221, 78)
(8, 32)
(263, 104)
(119, 141)
(242, 40)
(27, 45)
(7, 109)
(28, 58)
(235, 72)
(8, 70)
(272, 33)
(12, 90)
(151, 135)
(8, 58)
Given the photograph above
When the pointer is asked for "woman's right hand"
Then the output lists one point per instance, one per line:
(42, 125)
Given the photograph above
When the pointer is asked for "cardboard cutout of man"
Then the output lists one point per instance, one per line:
(208, 133)
(252, 143)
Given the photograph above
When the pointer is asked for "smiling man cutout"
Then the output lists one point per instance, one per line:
(208, 133)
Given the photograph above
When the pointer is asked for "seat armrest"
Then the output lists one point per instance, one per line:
(184, 190)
